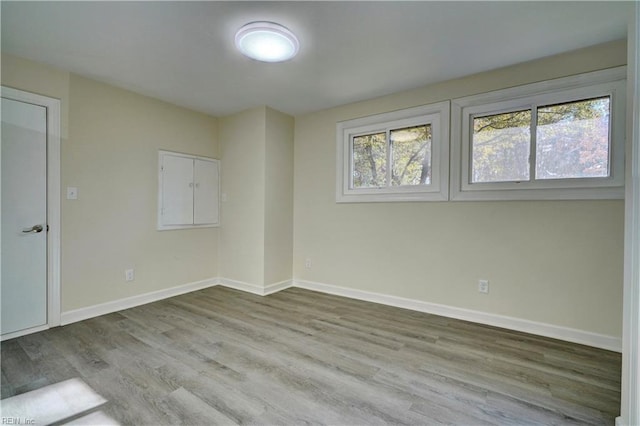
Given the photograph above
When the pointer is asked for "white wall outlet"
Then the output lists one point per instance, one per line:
(483, 286)
(307, 263)
(129, 275)
(72, 193)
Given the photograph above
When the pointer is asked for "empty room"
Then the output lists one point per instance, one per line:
(306, 212)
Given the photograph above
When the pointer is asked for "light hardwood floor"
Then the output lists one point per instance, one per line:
(220, 356)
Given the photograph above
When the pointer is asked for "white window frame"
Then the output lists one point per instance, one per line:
(436, 115)
(610, 82)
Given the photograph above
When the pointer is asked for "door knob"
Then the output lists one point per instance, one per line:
(34, 229)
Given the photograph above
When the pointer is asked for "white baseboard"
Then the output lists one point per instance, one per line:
(241, 285)
(129, 302)
(20, 333)
(276, 287)
(511, 323)
(255, 288)
(141, 299)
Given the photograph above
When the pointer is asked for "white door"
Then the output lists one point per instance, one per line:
(24, 216)
(205, 177)
(177, 190)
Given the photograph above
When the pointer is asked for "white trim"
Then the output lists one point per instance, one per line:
(608, 82)
(630, 389)
(256, 288)
(276, 287)
(437, 115)
(511, 323)
(81, 314)
(242, 286)
(53, 199)
(24, 332)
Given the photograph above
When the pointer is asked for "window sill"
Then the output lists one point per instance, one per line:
(391, 197)
(603, 193)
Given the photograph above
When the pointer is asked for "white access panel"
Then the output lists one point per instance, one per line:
(176, 190)
(188, 191)
(206, 191)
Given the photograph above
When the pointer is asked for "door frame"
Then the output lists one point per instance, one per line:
(630, 389)
(52, 107)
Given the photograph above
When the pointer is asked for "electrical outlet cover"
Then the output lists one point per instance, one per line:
(129, 275)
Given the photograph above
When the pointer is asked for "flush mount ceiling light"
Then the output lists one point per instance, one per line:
(267, 42)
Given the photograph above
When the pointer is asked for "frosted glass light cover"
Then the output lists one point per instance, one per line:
(267, 42)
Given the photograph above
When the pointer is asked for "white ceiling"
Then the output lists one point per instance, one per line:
(183, 52)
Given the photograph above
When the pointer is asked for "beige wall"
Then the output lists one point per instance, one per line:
(557, 262)
(257, 178)
(40, 79)
(110, 152)
(553, 262)
(278, 241)
(242, 149)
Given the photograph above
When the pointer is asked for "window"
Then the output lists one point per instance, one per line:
(559, 139)
(397, 156)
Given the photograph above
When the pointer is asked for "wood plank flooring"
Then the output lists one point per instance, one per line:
(220, 356)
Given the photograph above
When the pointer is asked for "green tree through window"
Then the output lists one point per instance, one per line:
(407, 149)
(572, 141)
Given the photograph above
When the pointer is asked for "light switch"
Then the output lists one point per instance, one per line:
(224, 197)
(72, 193)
